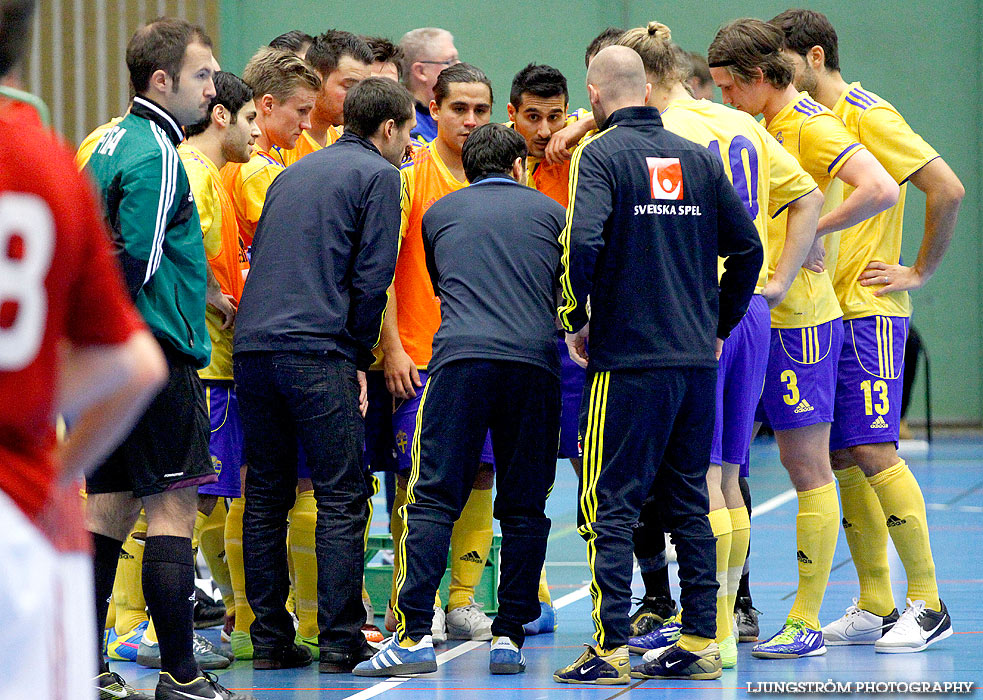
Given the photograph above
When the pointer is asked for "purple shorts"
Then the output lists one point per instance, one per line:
(572, 379)
(801, 379)
(740, 376)
(868, 382)
(404, 430)
(225, 441)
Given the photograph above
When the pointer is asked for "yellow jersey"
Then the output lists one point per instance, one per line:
(246, 184)
(304, 146)
(756, 164)
(820, 142)
(884, 132)
(224, 250)
(88, 144)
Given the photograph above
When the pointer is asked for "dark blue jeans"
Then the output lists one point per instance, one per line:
(310, 398)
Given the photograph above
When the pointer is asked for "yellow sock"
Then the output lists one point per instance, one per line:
(471, 541)
(816, 528)
(196, 531)
(904, 511)
(407, 643)
(544, 589)
(233, 555)
(692, 643)
(740, 538)
(866, 535)
(303, 519)
(111, 615)
(150, 634)
(397, 526)
(212, 543)
(720, 525)
(131, 607)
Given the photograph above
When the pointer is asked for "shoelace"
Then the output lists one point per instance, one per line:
(472, 613)
(200, 645)
(853, 609)
(908, 622)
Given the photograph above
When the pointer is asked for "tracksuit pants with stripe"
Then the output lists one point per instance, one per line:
(647, 432)
(464, 399)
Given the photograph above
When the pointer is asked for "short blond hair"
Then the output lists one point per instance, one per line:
(279, 73)
(659, 55)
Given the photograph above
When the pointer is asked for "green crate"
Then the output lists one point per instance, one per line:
(379, 577)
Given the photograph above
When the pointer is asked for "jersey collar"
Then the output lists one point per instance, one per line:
(148, 109)
(632, 116)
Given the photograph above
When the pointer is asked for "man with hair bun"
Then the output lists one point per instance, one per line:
(770, 182)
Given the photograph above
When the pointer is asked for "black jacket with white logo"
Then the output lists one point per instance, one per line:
(649, 214)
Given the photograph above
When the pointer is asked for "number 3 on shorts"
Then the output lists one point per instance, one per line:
(789, 379)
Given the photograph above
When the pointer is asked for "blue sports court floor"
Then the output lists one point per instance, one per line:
(951, 477)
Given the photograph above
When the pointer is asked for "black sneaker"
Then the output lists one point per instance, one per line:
(676, 662)
(293, 656)
(208, 612)
(333, 661)
(204, 687)
(651, 614)
(112, 687)
(746, 619)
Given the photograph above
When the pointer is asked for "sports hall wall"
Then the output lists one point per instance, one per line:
(922, 55)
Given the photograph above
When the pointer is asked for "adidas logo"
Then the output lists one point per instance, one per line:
(846, 524)
(895, 521)
(472, 557)
(801, 556)
(879, 423)
(803, 407)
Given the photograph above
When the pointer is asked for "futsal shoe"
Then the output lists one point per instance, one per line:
(230, 624)
(916, 629)
(396, 660)
(112, 687)
(746, 620)
(124, 647)
(293, 656)
(204, 687)
(544, 624)
(241, 644)
(857, 626)
(309, 643)
(468, 622)
(728, 652)
(438, 628)
(657, 639)
(676, 662)
(506, 657)
(207, 611)
(207, 655)
(794, 640)
(651, 614)
(597, 667)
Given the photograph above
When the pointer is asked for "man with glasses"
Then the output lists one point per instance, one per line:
(426, 52)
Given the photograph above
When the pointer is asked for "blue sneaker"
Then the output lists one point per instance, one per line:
(545, 623)
(660, 638)
(597, 667)
(793, 641)
(505, 657)
(676, 662)
(125, 647)
(394, 660)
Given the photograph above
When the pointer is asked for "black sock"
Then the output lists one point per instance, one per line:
(657, 581)
(744, 588)
(169, 587)
(105, 557)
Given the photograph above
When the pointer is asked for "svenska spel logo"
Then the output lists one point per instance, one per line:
(666, 177)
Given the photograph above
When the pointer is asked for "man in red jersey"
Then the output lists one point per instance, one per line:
(71, 343)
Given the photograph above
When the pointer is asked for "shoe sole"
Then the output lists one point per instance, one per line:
(694, 677)
(599, 681)
(506, 669)
(747, 638)
(641, 651)
(274, 665)
(400, 670)
(847, 643)
(779, 655)
(912, 650)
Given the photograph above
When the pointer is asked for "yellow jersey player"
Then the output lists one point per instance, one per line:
(807, 329)
(880, 496)
(770, 183)
(462, 102)
(341, 60)
(284, 89)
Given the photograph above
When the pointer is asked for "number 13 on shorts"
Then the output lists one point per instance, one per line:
(879, 387)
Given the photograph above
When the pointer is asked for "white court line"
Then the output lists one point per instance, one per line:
(570, 598)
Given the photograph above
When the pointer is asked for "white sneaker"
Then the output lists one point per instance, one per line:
(915, 630)
(469, 623)
(857, 626)
(438, 630)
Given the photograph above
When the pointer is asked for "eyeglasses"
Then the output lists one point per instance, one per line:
(448, 62)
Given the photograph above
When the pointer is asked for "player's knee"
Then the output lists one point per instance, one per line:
(874, 458)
